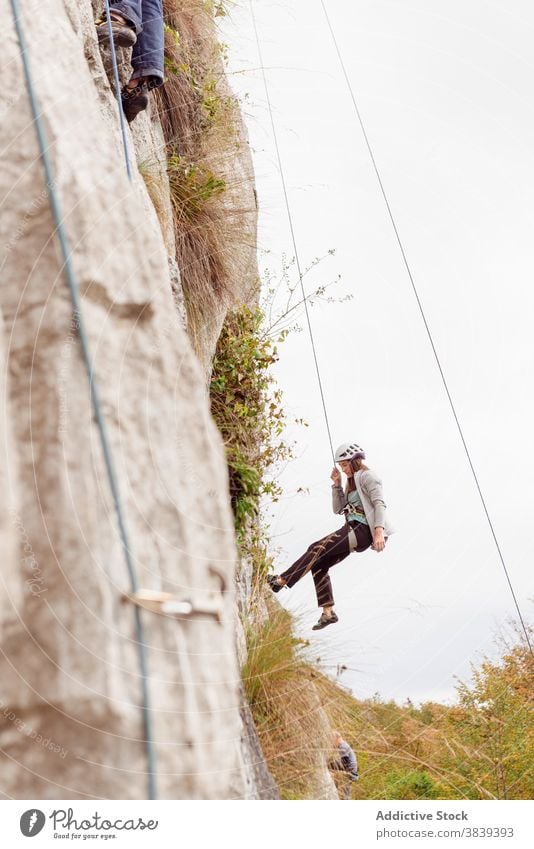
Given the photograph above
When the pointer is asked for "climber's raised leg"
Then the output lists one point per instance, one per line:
(318, 558)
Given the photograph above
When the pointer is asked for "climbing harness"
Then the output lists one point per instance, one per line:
(410, 275)
(95, 399)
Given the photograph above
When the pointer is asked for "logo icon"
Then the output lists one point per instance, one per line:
(32, 822)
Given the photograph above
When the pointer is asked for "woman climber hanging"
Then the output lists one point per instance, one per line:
(366, 526)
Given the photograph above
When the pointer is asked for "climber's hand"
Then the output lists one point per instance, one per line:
(379, 543)
(335, 477)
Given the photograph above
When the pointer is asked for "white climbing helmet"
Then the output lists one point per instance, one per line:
(349, 451)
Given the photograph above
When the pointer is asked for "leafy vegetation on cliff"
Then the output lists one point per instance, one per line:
(247, 408)
(246, 402)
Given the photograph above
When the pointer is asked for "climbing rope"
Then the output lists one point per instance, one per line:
(292, 230)
(118, 92)
(410, 275)
(427, 327)
(95, 399)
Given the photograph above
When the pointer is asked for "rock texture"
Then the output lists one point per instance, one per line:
(259, 783)
(70, 721)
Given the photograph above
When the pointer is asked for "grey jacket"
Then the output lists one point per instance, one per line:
(369, 488)
(348, 758)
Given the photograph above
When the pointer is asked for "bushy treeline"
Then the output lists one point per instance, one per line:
(481, 747)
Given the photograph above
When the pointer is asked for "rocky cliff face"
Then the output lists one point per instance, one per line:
(70, 687)
(70, 719)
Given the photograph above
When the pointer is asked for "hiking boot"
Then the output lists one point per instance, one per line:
(123, 34)
(272, 580)
(325, 620)
(134, 101)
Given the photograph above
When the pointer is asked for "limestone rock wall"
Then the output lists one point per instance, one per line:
(70, 721)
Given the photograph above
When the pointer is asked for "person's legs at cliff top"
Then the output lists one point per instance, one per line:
(144, 18)
(147, 60)
(147, 55)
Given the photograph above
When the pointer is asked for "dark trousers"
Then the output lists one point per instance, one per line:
(344, 787)
(147, 54)
(323, 554)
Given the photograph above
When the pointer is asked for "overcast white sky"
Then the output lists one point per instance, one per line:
(446, 90)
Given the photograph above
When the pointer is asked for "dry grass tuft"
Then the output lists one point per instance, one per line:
(200, 120)
(189, 46)
(294, 707)
(157, 191)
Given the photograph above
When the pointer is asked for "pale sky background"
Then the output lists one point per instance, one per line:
(446, 93)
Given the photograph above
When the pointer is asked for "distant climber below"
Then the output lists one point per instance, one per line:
(347, 761)
(137, 24)
(362, 504)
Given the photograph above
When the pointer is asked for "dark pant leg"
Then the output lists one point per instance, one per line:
(319, 557)
(346, 782)
(321, 578)
(147, 54)
(323, 585)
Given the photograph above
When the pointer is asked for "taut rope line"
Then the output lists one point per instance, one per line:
(412, 281)
(293, 237)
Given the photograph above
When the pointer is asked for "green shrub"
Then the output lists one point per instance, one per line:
(192, 186)
(246, 406)
(411, 785)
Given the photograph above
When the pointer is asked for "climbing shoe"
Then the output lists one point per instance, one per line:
(272, 580)
(325, 620)
(134, 100)
(123, 34)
